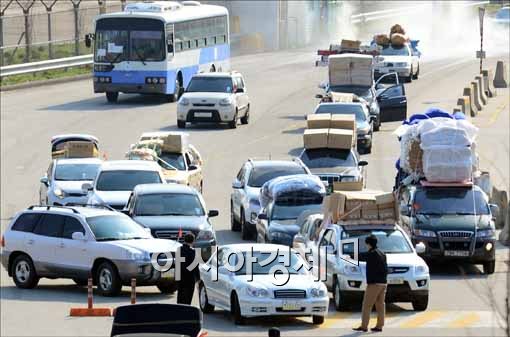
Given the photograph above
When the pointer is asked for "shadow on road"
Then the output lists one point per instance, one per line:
(443, 271)
(294, 117)
(99, 104)
(298, 131)
(202, 127)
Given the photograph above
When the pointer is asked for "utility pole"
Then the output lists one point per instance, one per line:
(481, 54)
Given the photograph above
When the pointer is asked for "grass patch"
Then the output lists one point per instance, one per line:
(46, 75)
(42, 53)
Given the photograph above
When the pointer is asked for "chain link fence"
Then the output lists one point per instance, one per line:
(37, 30)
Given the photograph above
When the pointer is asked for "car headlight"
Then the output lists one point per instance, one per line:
(485, 233)
(280, 236)
(205, 235)
(351, 269)
(421, 269)
(424, 232)
(184, 101)
(58, 192)
(138, 256)
(225, 102)
(256, 292)
(317, 292)
(401, 64)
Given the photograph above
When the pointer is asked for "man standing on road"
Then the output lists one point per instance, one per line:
(188, 278)
(377, 271)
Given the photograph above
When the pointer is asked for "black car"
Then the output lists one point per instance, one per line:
(454, 223)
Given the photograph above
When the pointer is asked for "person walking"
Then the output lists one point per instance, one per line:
(375, 293)
(186, 286)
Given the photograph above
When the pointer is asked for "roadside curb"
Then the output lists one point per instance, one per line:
(40, 83)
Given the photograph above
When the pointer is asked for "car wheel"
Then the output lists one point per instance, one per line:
(112, 97)
(23, 272)
(205, 306)
(108, 280)
(377, 125)
(340, 303)
(420, 303)
(80, 282)
(235, 310)
(489, 267)
(233, 123)
(415, 77)
(409, 78)
(245, 232)
(317, 320)
(246, 118)
(167, 287)
(181, 124)
(202, 186)
(234, 224)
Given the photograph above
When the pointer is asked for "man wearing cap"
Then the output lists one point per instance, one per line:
(375, 293)
(186, 286)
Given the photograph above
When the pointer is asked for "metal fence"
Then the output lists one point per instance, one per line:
(37, 30)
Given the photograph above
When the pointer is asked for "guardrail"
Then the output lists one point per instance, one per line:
(32, 67)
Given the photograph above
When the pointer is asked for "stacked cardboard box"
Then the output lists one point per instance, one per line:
(175, 142)
(350, 69)
(326, 131)
(318, 121)
(316, 138)
(80, 149)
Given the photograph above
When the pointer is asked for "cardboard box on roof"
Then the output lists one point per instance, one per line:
(347, 122)
(80, 149)
(315, 138)
(175, 142)
(318, 121)
(348, 185)
(341, 97)
(333, 206)
(350, 69)
(340, 139)
(350, 44)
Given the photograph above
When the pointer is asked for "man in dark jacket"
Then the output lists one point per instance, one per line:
(186, 286)
(377, 271)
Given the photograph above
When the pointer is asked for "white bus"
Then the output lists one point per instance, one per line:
(156, 47)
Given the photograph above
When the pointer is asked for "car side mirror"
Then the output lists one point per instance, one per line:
(262, 216)
(373, 119)
(192, 167)
(494, 210)
(170, 48)
(78, 236)
(362, 163)
(44, 180)
(86, 187)
(88, 40)
(405, 210)
(322, 85)
(319, 96)
(237, 184)
(239, 90)
(420, 248)
(212, 213)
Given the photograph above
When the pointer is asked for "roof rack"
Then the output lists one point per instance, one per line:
(93, 206)
(49, 207)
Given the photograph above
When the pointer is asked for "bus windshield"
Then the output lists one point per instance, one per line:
(129, 39)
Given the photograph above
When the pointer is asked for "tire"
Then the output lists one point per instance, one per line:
(203, 300)
(317, 320)
(340, 303)
(245, 232)
(108, 280)
(112, 97)
(377, 125)
(489, 267)
(177, 92)
(167, 287)
(246, 118)
(233, 123)
(234, 224)
(420, 303)
(24, 274)
(80, 282)
(235, 310)
(415, 77)
(181, 124)
(409, 78)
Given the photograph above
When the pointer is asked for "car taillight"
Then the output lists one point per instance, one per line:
(2, 242)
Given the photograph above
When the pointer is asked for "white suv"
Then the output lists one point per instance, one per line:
(116, 180)
(79, 242)
(214, 98)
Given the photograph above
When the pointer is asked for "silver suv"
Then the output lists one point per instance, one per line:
(76, 242)
(244, 200)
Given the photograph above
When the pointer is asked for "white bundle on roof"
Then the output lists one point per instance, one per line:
(287, 184)
(447, 163)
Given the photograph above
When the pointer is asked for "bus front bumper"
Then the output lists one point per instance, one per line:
(139, 88)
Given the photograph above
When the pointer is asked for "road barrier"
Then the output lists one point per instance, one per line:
(26, 68)
(472, 107)
(489, 86)
(500, 198)
(90, 310)
(504, 236)
(500, 79)
(481, 89)
(464, 104)
(476, 96)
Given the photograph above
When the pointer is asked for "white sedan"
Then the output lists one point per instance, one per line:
(279, 283)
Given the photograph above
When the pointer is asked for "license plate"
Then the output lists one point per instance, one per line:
(395, 280)
(203, 114)
(291, 306)
(461, 253)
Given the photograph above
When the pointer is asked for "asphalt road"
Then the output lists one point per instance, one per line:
(282, 86)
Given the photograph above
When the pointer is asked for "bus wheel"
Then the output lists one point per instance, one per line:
(213, 69)
(112, 97)
(177, 92)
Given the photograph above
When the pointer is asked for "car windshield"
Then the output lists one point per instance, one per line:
(266, 261)
(342, 109)
(176, 160)
(125, 180)
(325, 158)
(177, 204)
(116, 227)
(260, 175)
(458, 201)
(75, 172)
(287, 211)
(388, 241)
(210, 84)
(395, 51)
(363, 92)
